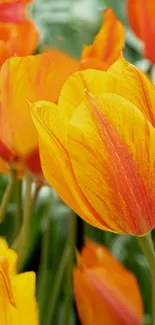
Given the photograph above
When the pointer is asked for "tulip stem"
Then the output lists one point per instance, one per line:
(68, 291)
(19, 217)
(35, 196)
(22, 242)
(147, 247)
(7, 195)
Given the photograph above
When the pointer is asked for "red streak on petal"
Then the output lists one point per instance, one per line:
(14, 12)
(33, 162)
(5, 281)
(4, 152)
(118, 304)
(124, 178)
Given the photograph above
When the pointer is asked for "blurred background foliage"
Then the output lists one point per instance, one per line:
(67, 25)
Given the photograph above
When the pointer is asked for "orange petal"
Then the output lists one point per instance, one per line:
(17, 87)
(94, 254)
(141, 15)
(111, 146)
(25, 31)
(11, 39)
(109, 42)
(99, 296)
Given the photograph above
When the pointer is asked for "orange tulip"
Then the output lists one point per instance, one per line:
(141, 15)
(18, 35)
(103, 289)
(23, 80)
(97, 147)
(107, 45)
(13, 10)
(18, 40)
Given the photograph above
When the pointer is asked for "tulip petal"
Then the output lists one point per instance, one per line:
(17, 88)
(93, 254)
(73, 92)
(109, 42)
(9, 254)
(56, 163)
(111, 146)
(24, 286)
(141, 15)
(102, 299)
(135, 86)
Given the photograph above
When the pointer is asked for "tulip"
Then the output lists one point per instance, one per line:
(107, 45)
(97, 147)
(103, 289)
(141, 15)
(24, 80)
(18, 35)
(13, 10)
(18, 40)
(17, 299)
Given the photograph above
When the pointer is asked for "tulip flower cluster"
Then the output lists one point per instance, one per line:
(86, 128)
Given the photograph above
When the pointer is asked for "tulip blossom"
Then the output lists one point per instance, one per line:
(141, 15)
(18, 35)
(107, 45)
(103, 289)
(25, 80)
(14, 11)
(17, 299)
(97, 147)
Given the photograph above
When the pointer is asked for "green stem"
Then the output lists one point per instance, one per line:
(35, 196)
(23, 238)
(7, 195)
(68, 291)
(148, 250)
(53, 300)
(19, 217)
(44, 260)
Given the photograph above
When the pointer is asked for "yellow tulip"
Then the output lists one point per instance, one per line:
(17, 291)
(98, 148)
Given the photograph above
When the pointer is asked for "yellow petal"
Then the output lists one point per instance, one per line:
(9, 254)
(24, 288)
(56, 163)
(73, 92)
(135, 86)
(111, 146)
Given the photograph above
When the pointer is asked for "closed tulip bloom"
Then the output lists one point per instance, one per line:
(103, 289)
(14, 11)
(107, 45)
(97, 147)
(17, 299)
(141, 15)
(12, 36)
